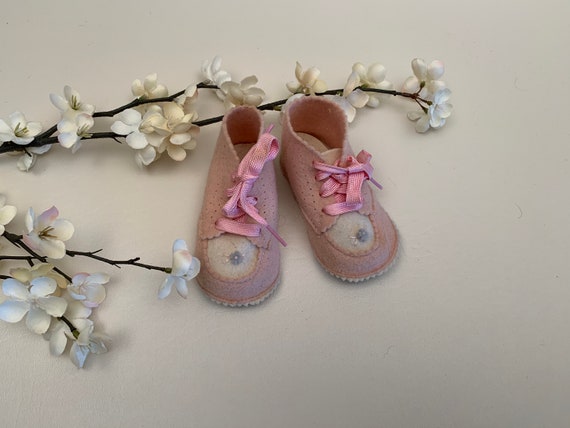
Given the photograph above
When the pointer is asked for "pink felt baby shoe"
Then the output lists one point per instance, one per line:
(237, 241)
(351, 235)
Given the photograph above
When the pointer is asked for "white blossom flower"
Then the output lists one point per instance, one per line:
(35, 301)
(372, 77)
(18, 129)
(213, 73)
(46, 233)
(243, 93)
(145, 156)
(429, 75)
(170, 130)
(184, 268)
(72, 131)
(440, 109)
(28, 159)
(7, 213)
(88, 289)
(59, 332)
(308, 81)
(351, 98)
(88, 342)
(128, 123)
(437, 112)
(421, 118)
(70, 105)
(149, 88)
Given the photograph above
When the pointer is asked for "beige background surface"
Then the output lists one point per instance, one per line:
(470, 329)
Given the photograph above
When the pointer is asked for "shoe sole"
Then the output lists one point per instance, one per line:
(366, 278)
(257, 300)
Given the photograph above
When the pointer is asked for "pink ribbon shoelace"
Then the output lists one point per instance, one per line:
(345, 182)
(240, 204)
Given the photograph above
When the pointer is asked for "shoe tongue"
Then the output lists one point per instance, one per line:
(331, 155)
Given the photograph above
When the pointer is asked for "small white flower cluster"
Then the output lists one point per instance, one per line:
(21, 132)
(425, 86)
(427, 82)
(152, 129)
(373, 76)
(76, 118)
(75, 122)
(56, 308)
(57, 305)
(232, 93)
(352, 97)
(184, 268)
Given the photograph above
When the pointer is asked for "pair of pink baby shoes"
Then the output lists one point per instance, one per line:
(351, 235)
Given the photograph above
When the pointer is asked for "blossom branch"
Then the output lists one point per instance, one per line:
(17, 241)
(47, 138)
(117, 263)
(140, 101)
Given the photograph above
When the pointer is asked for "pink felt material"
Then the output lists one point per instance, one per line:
(325, 121)
(241, 125)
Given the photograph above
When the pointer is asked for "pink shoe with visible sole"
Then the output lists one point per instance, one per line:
(351, 235)
(237, 242)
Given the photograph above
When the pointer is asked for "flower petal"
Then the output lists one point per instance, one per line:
(99, 278)
(137, 88)
(358, 98)
(34, 128)
(129, 116)
(59, 102)
(435, 70)
(78, 354)
(376, 73)
(15, 289)
(166, 287)
(415, 114)
(121, 128)
(420, 68)
(145, 156)
(37, 320)
(33, 241)
(181, 287)
(179, 244)
(63, 229)
(137, 140)
(193, 270)
(26, 162)
(77, 310)
(181, 262)
(13, 311)
(53, 305)
(68, 139)
(52, 248)
(42, 286)
(46, 218)
(58, 340)
(422, 125)
(7, 213)
(175, 152)
(411, 84)
(179, 139)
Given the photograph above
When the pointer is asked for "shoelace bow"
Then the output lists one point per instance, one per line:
(240, 204)
(345, 182)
